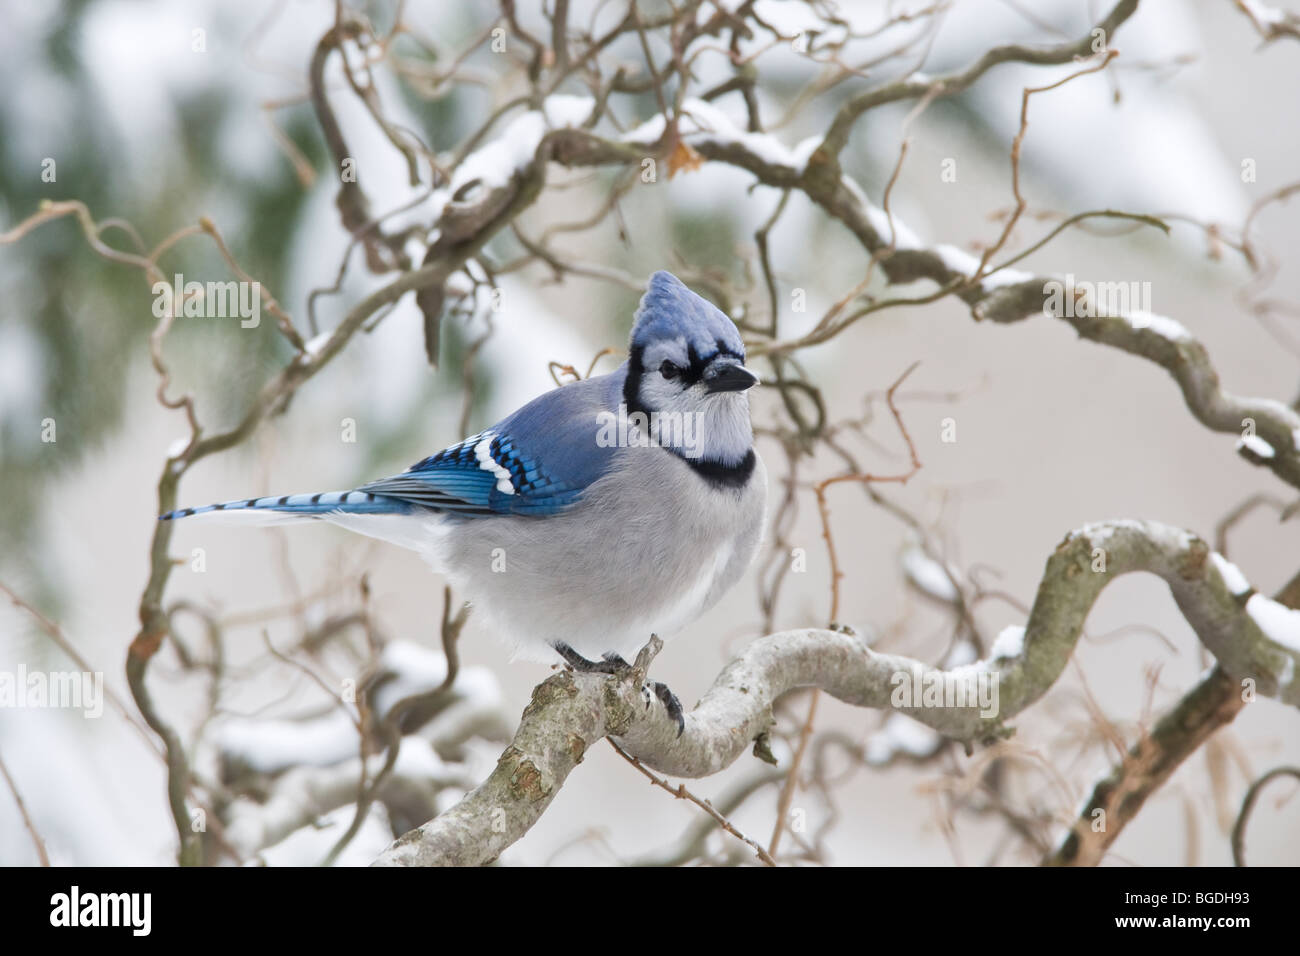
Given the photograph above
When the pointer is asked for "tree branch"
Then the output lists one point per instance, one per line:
(570, 712)
(837, 136)
(1116, 800)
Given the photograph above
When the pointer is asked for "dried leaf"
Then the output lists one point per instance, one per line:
(683, 157)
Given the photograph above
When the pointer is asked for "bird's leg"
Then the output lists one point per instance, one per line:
(609, 664)
(612, 663)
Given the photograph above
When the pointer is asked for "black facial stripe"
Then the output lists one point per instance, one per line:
(695, 371)
(632, 384)
(691, 374)
(699, 363)
(723, 349)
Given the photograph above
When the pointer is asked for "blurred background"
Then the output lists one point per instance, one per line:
(1195, 120)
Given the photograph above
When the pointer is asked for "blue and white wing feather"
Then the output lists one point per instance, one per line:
(537, 461)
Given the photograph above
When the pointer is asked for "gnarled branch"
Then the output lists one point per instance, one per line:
(569, 712)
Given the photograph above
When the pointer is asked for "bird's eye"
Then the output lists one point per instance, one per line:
(669, 370)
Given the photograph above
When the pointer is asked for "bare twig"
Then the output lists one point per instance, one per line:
(1248, 804)
(681, 793)
(22, 811)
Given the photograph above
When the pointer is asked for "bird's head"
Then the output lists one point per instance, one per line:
(686, 370)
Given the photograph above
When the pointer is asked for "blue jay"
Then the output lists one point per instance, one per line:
(597, 514)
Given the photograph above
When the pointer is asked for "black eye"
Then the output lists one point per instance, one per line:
(669, 370)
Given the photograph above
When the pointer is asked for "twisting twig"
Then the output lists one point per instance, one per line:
(1248, 804)
(1116, 799)
(681, 793)
(565, 57)
(61, 641)
(569, 712)
(27, 819)
(1015, 159)
(823, 509)
(419, 708)
(792, 777)
(821, 487)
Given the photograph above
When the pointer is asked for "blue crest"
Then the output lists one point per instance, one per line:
(669, 310)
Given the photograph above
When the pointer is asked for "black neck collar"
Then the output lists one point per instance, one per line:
(719, 475)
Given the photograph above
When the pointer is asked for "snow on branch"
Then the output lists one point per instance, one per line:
(998, 295)
(481, 190)
(1251, 639)
(498, 180)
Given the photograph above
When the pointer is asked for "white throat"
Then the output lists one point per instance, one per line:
(698, 425)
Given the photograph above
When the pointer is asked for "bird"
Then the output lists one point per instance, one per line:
(600, 513)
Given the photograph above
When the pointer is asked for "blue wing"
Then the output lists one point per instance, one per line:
(537, 461)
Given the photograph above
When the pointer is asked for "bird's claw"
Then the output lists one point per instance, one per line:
(670, 702)
(614, 664)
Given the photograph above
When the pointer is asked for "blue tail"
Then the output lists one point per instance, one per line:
(347, 502)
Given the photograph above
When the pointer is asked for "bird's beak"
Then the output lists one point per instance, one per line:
(729, 378)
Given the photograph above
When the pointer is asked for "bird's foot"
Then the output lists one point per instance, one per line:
(614, 664)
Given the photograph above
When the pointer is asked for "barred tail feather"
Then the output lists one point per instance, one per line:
(279, 509)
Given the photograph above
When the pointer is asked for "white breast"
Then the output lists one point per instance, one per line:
(646, 552)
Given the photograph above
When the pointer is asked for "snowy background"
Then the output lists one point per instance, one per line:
(1052, 432)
